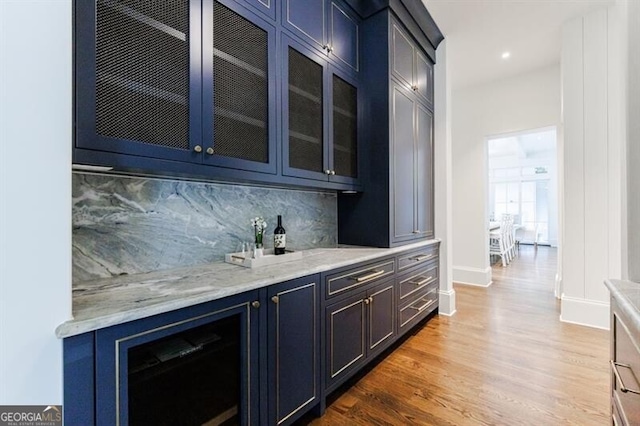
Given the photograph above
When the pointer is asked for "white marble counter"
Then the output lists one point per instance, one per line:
(111, 301)
(627, 294)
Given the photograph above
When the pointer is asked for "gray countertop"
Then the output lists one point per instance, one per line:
(627, 294)
(111, 301)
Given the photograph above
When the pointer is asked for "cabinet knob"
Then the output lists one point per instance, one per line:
(370, 299)
(327, 172)
(333, 172)
(210, 151)
(255, 304)
(414, 88)
(366, 301)
(275, 299)
(197, 148)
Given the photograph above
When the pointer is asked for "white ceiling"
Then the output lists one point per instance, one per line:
(479, 31)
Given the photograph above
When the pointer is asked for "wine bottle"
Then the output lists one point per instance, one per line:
(279, 238)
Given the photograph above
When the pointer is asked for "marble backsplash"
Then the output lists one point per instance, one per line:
(128, 225)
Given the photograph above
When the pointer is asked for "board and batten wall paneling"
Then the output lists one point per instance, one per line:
(633, 145)
(595, 151)
(593, 159)
(573, 122)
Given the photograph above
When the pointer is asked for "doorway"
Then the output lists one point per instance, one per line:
(523, 183)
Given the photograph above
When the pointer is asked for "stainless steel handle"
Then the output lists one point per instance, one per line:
(369, 276)
(623, 388)
(275, 299)
(327, 172)
(210, 151)
(366, 301)
(255, 304)
(422, 282)
(425, 306)
(422, 257)
(197, 148)
(333, 172)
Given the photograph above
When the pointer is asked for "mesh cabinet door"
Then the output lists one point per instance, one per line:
(133, 84)
(305, 123)
(345, 129)
(238, 92)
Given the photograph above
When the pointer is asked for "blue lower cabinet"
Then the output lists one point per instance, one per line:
(192, 366)
(293, 359)
(79, 380)
(358, 328)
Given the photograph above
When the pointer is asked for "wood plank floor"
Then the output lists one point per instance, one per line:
(503, 359)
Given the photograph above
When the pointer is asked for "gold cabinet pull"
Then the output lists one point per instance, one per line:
(422, 282)
(425, 306)
(623, 388)
(275, 299)
(255, 304)
(366, 301)
(197, 148)
(370, 276)
(422, 257)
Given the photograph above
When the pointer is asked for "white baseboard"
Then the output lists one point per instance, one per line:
(590, 313)
(472, 276)
(447, 302)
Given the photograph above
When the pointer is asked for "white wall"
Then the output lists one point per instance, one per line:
(529, 101)
(35, 197)
(593, 116)
(443, 179)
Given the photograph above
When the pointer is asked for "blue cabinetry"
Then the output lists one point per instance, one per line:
(359, 318)
(202, 360)
(267, 7)
(253, 357)
(79, 380)
(320, 117)
(189, 81)
(194, 88)
(294, 345)
(328, 26)
(398, 162)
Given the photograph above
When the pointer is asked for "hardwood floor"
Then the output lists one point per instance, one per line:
(503, 359)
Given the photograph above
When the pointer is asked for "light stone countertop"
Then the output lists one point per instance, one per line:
(111, 301)
(627, 294)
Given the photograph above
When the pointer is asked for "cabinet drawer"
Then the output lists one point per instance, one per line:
(423, 304)
(625, 368)
(417, 257)
(352, 278)
(415, 281)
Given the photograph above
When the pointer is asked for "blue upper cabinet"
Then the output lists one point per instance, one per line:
(239, 88)
(327, 26)
(320, 117)
(137, 78)
(409, 65)
(194, 88)
(187, 81)
(307, 19)
(344, 40)
(266, 7)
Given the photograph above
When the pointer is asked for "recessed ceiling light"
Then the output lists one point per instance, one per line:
(506, 55)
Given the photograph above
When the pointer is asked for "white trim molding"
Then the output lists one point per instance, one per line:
(447, 302)
(590, 313)
(472, 276)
